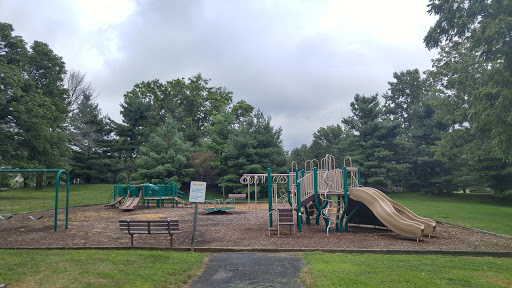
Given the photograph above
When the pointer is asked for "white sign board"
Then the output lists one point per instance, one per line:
(197, 191)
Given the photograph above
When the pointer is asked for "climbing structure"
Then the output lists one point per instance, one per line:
(334, 195)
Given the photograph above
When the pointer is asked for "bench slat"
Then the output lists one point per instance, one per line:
(151, 221)
(152, 224)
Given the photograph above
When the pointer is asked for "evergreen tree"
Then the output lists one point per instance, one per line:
(165, 155)
(407, 101)
(253, 146)
(91, 139)
(217, 135)
(376, 144)
(134, 131)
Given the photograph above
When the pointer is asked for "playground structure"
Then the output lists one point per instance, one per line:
(57, 180)
(133, 194)
(335, 195)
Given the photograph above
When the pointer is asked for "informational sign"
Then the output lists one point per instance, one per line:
(197, 191)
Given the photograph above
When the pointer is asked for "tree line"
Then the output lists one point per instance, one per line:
(437, 131)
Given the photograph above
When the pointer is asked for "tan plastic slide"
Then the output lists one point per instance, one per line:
(429, 225)
(395, 216)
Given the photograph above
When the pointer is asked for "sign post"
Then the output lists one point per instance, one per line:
(197, 195)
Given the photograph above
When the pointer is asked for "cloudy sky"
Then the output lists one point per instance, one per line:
(300, 62)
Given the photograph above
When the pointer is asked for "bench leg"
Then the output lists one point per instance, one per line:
(132, 239)
(171, 239)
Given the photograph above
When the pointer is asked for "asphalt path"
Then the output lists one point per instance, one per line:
(250, 270)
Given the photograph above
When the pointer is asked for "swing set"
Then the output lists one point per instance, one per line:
(59, 172)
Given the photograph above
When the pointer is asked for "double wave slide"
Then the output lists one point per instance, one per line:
(392, 214)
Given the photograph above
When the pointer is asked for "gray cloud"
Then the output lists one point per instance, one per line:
(294, 61)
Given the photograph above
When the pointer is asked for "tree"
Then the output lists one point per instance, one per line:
(484, 25)
(78, 86)
(482, 29)
(34, 104)
(134, 131)
(192, 103)
(13, 54)
(92, 143)
(218, 131)
(376, 143)
(165, 155)
(299, 155)
(408, 101)
(470, 154)
(334, 140)
(253, 146)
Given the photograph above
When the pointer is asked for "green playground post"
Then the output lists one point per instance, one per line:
(57, 198)
(269, 187)
(299, 208)
(144, 189)
(345, 194)
(173, 189)
(115, 189)
(358, 177)
(288, 188)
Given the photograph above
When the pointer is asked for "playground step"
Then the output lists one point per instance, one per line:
(284, 209)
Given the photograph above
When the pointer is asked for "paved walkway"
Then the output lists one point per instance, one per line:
(250, 270)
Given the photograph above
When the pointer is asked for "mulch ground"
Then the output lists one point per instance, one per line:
(96, 226)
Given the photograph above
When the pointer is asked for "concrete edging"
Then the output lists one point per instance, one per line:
(498, 254)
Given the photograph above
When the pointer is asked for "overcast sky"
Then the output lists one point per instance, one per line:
(300, 62)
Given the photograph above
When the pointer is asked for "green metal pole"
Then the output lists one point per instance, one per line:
(299, 207)
(315, 200)
(143, 193)
(345, 189)
(67, 201)
(358, 177)
(57, 199)
(269, 187)
(115, 189)
(288, 188)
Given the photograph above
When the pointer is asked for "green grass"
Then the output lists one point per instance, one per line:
(467, 210)
(98, 268)
(29, 199)
(354, 270)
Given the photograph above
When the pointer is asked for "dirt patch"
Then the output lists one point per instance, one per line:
(98, 226)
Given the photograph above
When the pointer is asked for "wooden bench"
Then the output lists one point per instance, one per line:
(237, 196)
(154, 226)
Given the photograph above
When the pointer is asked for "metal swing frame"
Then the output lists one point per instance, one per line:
(59, 172)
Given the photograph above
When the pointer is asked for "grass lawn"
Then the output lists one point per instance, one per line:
(467, 210)
(354, 270)
(29, 199)
(98, 268)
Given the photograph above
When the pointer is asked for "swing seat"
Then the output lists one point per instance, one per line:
(5, 217)
(35, 218)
